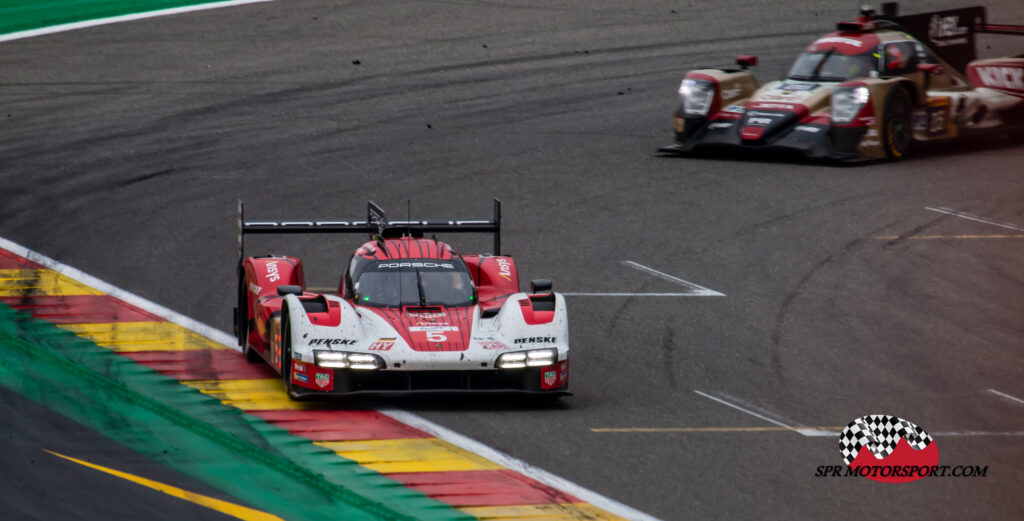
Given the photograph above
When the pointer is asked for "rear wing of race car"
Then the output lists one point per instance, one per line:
(949, 33)
(377, 225)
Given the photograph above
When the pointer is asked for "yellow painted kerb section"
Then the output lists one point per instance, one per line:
(19, 283)
(409, 455)
(125, 337)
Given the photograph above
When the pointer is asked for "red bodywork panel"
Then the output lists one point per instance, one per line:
(263, 275)
(430, 328)
(495, 277)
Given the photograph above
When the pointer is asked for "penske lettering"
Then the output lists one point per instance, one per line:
(1001, 77)
(331, 342)
(537, 340)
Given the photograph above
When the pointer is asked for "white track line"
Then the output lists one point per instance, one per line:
(123, 18)
(1007, 396)
(748, 411)
(697, 290)
(975, 218)
(805, 431)
(408, 418)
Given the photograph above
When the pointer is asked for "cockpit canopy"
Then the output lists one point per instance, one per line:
(829, 65)
(840, 57)
(411, 282)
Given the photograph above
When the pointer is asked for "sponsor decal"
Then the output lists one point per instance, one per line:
(720, 124)
(735, 109)
(493, 344)
(536, 340)
(327, 342)
(396, 265)
(1001, 77)
(550, 377)
(728, 94)
(946, 30)
(300, 377)
(383, 344)
(839, 39)
(504, 268)
(272, 274)
(870, 143)
(298, 367)
(433, 327)
(872, 133)
(799, 86)
(938, 115)
(760, 122)
(919, 121)
(427, 316)
(776, 106)
(254, 289)
(807, 128)
(323, 380)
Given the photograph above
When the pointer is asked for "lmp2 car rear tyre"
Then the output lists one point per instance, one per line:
(897, 134)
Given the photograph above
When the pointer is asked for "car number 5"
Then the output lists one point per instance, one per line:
(436, 336)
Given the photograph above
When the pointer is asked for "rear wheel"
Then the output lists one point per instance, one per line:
(896, 130)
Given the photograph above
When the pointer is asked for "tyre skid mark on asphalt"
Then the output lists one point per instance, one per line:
(423, 456)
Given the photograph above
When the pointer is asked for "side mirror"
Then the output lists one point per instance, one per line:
(289, 290)
(540, 286)
(746, 60)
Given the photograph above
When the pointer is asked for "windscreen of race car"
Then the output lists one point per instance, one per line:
(830, 65)
(413, 282)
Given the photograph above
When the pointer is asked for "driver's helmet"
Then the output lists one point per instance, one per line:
(894, 57)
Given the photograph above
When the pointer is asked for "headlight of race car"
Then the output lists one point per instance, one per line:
(847, 102)
(348, 360)
(696, 96)
(532, 358)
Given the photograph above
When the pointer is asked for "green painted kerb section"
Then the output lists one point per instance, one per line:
(22, 15)
(239, 454)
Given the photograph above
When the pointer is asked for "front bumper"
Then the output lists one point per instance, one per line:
(811, 141)
(549, 381)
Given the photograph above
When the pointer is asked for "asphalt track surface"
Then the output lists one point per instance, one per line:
(124, 147)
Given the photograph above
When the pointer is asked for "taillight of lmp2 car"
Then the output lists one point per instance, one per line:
(696, 97)
(851, 105)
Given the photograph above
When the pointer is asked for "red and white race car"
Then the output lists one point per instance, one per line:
(410, 315)
(868, 91)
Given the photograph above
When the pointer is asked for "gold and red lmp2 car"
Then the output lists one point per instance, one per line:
(868, 91)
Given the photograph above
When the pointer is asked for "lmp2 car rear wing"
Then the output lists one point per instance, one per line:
(949, 33)
(377, 225)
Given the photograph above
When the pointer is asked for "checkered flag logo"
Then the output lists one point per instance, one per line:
(881, 433)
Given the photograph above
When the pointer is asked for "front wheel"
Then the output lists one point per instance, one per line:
(896, 130)
(286, 354)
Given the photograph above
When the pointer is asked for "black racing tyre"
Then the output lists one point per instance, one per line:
(897, 134)
(286, 353)
(242, 318)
